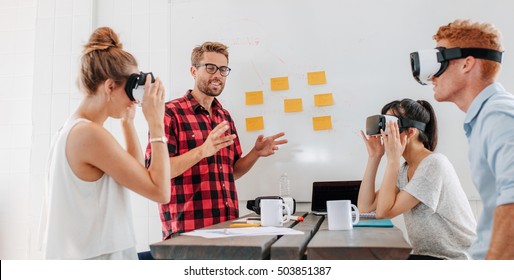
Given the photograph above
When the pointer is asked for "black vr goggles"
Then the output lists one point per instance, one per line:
(135, 87)
(255, 205)
(426, 64)
(378, 122)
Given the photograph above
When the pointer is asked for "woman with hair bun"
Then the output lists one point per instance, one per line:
(425, 188)
(87, 213)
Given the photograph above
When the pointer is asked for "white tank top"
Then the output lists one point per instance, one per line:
(80, 219)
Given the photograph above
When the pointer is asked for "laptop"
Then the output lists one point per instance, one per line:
(333, 190)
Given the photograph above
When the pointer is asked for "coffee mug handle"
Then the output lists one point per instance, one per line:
(357, 214)
(288, 215)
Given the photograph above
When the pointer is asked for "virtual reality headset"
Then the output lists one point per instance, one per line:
(255, 205)
(135, 87)
(426, 64)
(378, 122)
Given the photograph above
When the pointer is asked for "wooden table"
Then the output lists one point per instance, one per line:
(292, 247)
(316, 243)
(231, 248)
(361, 243)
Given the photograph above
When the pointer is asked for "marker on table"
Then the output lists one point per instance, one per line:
(297, 218)
(239, 225)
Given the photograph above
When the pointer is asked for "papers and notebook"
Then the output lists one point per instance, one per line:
(374, 223)
(247, 231)
(333, 190)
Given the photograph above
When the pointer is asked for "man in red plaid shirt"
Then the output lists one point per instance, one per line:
(205, 153)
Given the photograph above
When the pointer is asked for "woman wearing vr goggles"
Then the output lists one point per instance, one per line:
(425, 188)
(87, 213)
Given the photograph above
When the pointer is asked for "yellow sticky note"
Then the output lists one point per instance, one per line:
(280, 83)
(316, 78)
(322, 123)
(293, 105)
(255, 123)
(254, 97)
(323, 99)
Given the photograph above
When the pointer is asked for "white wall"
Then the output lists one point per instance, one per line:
(17, 33)
(40, 45)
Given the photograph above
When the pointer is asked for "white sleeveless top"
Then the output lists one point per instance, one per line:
(80, 219)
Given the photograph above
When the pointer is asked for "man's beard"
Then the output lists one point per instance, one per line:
(204, 87)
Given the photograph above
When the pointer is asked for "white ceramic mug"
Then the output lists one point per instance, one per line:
(271, 212)
(340, 214)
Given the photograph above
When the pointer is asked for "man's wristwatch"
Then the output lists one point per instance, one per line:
(162, 139)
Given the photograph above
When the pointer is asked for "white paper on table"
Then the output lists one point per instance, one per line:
(249, 231)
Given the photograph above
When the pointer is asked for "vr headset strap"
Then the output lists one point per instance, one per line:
(406, 123)
(455, 53)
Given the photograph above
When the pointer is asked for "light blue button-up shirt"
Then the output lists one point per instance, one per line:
(489, 127)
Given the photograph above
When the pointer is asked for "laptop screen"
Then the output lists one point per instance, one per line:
(334, 190)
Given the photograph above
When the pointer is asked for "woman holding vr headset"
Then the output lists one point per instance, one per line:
(425, 188)
(87, 213)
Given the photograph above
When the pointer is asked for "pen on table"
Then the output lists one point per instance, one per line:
(297, 218)
(238, 225)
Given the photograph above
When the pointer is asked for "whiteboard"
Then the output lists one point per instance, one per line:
(363, 47)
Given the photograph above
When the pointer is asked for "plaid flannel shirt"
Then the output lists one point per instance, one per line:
(206, 193)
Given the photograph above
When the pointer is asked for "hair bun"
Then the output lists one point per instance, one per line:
(102, 39)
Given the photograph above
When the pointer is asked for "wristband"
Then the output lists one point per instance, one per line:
(162, 139)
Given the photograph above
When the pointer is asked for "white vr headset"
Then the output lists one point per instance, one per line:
(376, 123)
(427, 64)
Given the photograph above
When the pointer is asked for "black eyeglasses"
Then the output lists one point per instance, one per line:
(213, 68)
